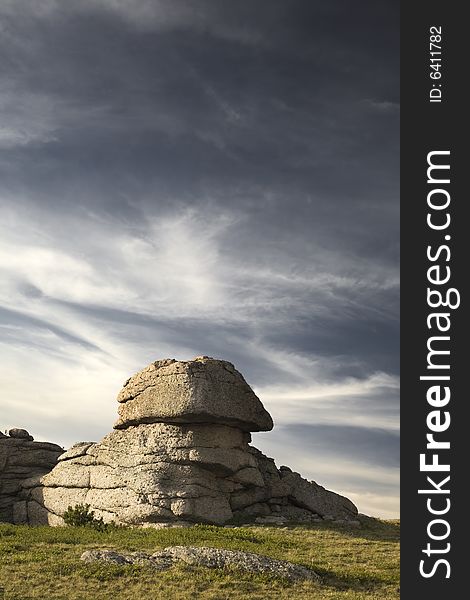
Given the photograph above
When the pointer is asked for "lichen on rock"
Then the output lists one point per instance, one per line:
(212, 558)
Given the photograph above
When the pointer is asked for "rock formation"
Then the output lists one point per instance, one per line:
(180, 452)
(21, 458)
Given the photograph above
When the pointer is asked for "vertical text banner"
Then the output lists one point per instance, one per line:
(434, 131)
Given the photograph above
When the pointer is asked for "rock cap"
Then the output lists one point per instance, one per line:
(202, 390)
(20, 434)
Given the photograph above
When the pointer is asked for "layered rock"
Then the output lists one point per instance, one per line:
(21, 458)
(180, 452)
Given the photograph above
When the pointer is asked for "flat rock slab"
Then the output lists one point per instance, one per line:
(127, 558)
(213, 558)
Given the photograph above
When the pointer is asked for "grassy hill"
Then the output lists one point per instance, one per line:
(44, 562)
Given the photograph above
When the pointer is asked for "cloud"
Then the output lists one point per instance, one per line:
(175, 265)
(385, 106)
(28, 119)
(150, 15)
(174, 270)
(370, 402)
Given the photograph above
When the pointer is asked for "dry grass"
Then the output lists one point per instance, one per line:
(43, 562)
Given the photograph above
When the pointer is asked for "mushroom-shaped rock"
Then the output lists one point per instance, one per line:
(202, 390)
(180, 453)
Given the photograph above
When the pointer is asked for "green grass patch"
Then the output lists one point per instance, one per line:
(44, 562)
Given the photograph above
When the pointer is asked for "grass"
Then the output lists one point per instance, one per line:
(44, 562)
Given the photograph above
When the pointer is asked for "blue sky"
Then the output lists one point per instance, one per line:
(182, 178)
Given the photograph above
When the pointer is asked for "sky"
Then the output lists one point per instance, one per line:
(218, 178)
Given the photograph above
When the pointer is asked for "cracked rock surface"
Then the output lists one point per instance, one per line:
(180, 453)
(214, 558)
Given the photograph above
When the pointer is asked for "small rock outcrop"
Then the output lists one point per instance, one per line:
(180, 453)
(213, 558)
(21, 458)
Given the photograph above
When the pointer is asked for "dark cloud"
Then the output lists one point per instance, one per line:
(361, 444)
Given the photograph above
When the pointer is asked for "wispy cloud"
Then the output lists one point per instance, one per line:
(368, 402)
(25, 119)
(385, 106)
